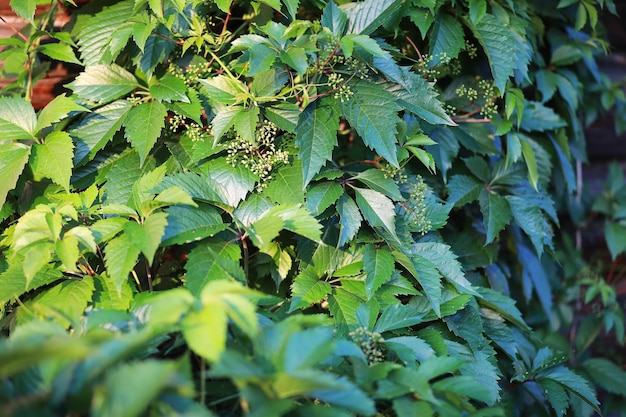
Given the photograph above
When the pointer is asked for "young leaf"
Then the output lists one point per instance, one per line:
(103, 83)
(316, 136)
(13, 158)
(143, 127)
(373, 112)
(204, 331)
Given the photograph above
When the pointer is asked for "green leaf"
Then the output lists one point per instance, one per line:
(208, 262)
(95, 129)
(398, 316)
(224, 5)
(245, 122)
(496, 213)
(615, 235)
(143, 127)
(529, 217)
(573, 383)
(606, 374)
(446, 37)
(307, 288)
(334, 19)
(14, 282)
(365, 17)
(378, 265)
(223, 89)
(13, 158)
(205, 331)
(540, 118)
(463, 189)
(349, 217)
(377, 210)
(284, 115)
(120, 257)
(286, 186)
(446, 262)
(24, 8)
(322, 195)
(289, 217)
(373, 112)
(199, 187)
(59, 108)
(186, 224)
(107, 297)
(377, 180)
(429, 279)
(555, 394)
(95, 35)
(477, 9)
(316, 136)
(60, 52)
(53, 158)
(169, 88)
(103, 83)
(17, 119)
(503, 305)
(497, 37)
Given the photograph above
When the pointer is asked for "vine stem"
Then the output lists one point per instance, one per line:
(417, 51)
(14, 29)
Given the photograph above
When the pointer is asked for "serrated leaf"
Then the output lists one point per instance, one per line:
(373, 112)
(378, 181)
(205, 331)
(463, 189)
(529, 217)
(502, 304)
(496, 37)
(223, 89)
(210, 262)
(429, 279)
(53, 158)
(398, 316)
(555, 395)
(378, 265)
(573, 383)
(334, 19)
(59, 108)
(377, 210)
(245, 123)
(143, 127)
(107, 297)
(322, 195)
(120, 257)
(446, 36)
(540, 118)
(60, 52)
(286, 186)
(307, 288)
(17, 119)
(199, 187)
(606, 374)
(534, 276)
(103, 83)
(367, 16)
(294, 218)
(496, 213)
(349, 219)
(445, 260)
(316, 136)
(169, 88)
(95, 35)
(187, 224)
(224, 119)
(14, 282)
(13, 158)
(224, 5)
(95, 129)
(24, 8)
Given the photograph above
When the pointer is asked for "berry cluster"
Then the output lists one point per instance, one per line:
(371, 343)
(260, 157)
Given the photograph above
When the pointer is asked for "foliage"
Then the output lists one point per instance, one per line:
(303, 208)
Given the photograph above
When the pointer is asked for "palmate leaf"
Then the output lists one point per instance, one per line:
(17, 119)
(373, 112)
(496, 213)
(365, 17)
(53, 158)
(95, 129)
(143, 126)
(13, 158)
(103, 83)
(497, 37)
(316, 136)
(378, 265)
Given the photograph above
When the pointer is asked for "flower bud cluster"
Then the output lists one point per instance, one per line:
(260, 157)
(371, 343)
(192, 129)
(337, 82)
(191, 74)
(416, 204)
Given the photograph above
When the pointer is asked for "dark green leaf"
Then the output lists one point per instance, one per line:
(377, 210)
(572, 383)
(334, 19)
(447, 37)
(187, 224)
(496, 213)
(143, 127)
(378, 265)
(349, 217)
(322, 195)
(367, 16)
(377, 180)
